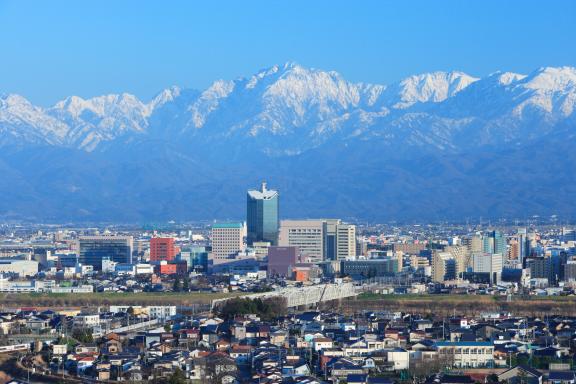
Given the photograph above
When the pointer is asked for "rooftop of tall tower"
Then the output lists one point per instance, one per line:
(264, 193)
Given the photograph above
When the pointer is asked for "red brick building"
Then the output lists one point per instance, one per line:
(162, 248)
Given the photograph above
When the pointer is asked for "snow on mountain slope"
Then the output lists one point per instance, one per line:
(553, 90)
(428, 87)
(276, 101)
(100, 118)
(22, 123)
(288, 109)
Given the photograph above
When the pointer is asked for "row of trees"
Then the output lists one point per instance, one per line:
(181, 284)
(266, 309)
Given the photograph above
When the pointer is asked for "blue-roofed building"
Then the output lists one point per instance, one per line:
(356, 378)
(561, 377)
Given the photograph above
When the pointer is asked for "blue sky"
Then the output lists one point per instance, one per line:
(52, 49)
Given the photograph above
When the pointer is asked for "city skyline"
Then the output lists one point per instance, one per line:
(272, 192)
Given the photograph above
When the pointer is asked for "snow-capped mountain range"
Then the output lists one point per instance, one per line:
(435, 131)
(301, 108)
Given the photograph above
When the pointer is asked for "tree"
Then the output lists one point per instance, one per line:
(177, 377)
(426, 367)
(186, 284)
(83, 335)
(177, 285)
(492, 378)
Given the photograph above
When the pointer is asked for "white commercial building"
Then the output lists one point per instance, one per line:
(144, 269)
(153, 311)
(18, 266)
(86, 321)
(467, 354)
(491, 263)
(73, 289)
(40, 286)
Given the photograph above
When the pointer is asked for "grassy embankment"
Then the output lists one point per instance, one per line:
(109, 298)
(462, 304)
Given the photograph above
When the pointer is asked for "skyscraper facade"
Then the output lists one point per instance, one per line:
(494, 242)
(262, 216)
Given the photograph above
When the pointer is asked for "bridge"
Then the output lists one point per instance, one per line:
(303, 296)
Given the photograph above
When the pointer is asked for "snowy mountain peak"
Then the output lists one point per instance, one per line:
(100, 105)
(552, 79)
(430, 87)
(507, 78)
(12, 99)
(165, 96)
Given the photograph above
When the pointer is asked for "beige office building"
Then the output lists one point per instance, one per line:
(227, 240)
(319, 240)
(345, 241)
(307, 235)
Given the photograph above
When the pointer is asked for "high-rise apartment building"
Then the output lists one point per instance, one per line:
(513, 249)
(162, 248)
(227, 240)
(540, 267)
(570, 271)
(93, 249)
(443, 267)
(262, 216)
(461, 256)
(523, 244)
(345, 241)
(473, 243)
(361, 247)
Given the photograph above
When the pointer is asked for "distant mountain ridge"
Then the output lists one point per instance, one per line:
(320, 138)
